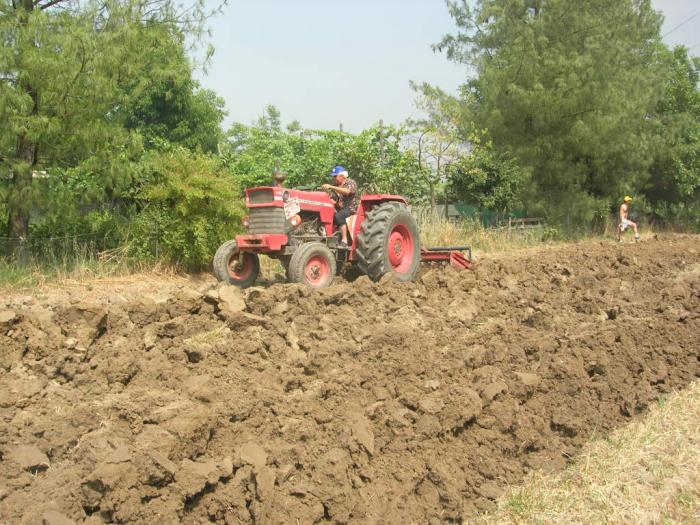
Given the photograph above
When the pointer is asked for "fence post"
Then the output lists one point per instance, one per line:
(23, 251)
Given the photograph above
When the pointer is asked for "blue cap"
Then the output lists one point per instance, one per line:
(339, 170)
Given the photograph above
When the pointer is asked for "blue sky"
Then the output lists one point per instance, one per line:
(324, 62)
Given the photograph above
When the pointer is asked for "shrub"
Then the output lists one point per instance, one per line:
(189, 204)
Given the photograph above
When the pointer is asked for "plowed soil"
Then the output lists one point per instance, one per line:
(363, 403)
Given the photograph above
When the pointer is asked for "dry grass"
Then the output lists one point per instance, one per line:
(208, 337)
(645, 473)
(270, 267)
(111, 268)
(438, 231)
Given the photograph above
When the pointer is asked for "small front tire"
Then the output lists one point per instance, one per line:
(313, 264)
(234, 267)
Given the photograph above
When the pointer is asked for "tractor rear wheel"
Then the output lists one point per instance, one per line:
(234, 267)
(313, 263)
(389, 242)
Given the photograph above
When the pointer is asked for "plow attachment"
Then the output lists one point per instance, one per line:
(460, 257)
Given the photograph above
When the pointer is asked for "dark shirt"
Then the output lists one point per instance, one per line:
(349, 201)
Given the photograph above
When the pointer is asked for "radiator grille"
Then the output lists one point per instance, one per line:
(260, 196)
(267, 220)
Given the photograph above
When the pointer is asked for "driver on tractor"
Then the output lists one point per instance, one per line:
(346, 201)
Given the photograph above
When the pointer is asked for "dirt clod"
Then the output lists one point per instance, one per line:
(253, 454)
(7, 318)
(53, 517)
(28, 457)
(230, 300)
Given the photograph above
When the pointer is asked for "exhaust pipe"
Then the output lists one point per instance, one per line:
(278, 177)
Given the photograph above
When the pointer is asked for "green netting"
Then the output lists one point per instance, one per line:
(487, 217)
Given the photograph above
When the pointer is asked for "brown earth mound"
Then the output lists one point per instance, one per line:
(363, 403)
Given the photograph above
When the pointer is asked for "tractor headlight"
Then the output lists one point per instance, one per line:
(295, 220)
(285, 196)
(246, 221)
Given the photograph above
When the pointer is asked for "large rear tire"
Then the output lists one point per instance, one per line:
(389, 242)
(235, 268)
(313, 264)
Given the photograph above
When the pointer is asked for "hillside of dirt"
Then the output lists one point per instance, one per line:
(363, 403)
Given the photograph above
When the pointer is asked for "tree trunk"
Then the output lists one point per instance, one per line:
(24, 163)
(19, 205)
(21, 187)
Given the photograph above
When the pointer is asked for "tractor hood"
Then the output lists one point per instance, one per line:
(277, 196)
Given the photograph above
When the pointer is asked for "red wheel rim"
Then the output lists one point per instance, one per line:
(401, 249)
(240, 268)
(317, 270)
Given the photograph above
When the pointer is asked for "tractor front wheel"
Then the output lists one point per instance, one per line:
(313, 263)
(389, 242)
(234, 267)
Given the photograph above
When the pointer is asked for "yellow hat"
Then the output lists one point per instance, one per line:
(628, 198)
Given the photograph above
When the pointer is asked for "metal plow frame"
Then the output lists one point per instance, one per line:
(455, 255)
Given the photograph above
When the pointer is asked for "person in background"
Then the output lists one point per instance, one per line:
(624, 219)
(346, 191)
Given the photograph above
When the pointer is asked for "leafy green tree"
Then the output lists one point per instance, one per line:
(490, 179)
(568, 87)
(270, 120)
(253, 152)
(439, 141)
(674, 188)
(67, 71)
(376, 158)
(179, 111)
(454, 156)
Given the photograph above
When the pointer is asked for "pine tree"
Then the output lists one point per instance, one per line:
(569, 88)
(68, 71)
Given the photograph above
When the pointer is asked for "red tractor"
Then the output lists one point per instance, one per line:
(296, 227)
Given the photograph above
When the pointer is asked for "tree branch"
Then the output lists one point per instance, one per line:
(47, 5)
(77, 75)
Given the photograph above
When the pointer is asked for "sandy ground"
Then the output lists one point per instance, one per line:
(173, 400)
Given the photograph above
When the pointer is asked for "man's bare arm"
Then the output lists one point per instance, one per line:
(337, 189)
